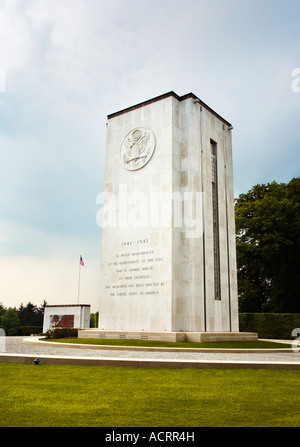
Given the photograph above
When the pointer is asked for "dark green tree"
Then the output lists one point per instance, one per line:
(31, 315)
(9, 321)
(2, 310)
(40, 313)
(92, 320)
(268, 247)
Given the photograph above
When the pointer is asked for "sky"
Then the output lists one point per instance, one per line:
(67, 64)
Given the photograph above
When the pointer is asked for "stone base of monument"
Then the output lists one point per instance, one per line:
(169, 336)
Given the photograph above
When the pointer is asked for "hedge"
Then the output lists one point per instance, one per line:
(270, 325)
(63, 332)
(28, 330)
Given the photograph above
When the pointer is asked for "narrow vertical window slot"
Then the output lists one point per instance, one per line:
(215, 211)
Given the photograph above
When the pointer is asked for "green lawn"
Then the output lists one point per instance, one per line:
(90, 396)
(152, 343)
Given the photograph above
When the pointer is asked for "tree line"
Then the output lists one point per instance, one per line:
(268, 247)
(12, 318)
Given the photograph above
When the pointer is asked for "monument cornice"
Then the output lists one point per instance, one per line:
(164, 96)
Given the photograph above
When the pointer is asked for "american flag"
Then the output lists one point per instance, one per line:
(81, 261)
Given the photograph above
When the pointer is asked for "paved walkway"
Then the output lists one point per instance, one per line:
(20, 348)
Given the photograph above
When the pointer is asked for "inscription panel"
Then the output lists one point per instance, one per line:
(134, 271)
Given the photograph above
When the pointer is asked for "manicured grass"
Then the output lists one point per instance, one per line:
(89, 396)
(152, 343)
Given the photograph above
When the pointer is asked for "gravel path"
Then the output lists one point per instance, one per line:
(16, 345)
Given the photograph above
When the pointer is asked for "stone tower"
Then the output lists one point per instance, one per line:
(168, 237)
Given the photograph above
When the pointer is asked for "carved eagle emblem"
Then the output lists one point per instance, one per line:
(137, 148)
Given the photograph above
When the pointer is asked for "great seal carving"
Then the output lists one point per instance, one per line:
(137, 148)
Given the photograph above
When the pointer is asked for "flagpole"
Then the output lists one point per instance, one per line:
(80, 264)
(79, 282)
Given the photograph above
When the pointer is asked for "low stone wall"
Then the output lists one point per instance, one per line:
(169, 336)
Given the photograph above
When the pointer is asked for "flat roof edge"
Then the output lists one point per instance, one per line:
(68, 305)
(164, 96)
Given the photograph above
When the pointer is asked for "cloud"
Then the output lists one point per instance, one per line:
(15, 36)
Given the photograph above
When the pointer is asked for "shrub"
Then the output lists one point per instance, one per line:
(96, 319)
(62, 332)
(270, 325)
(28, 330)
